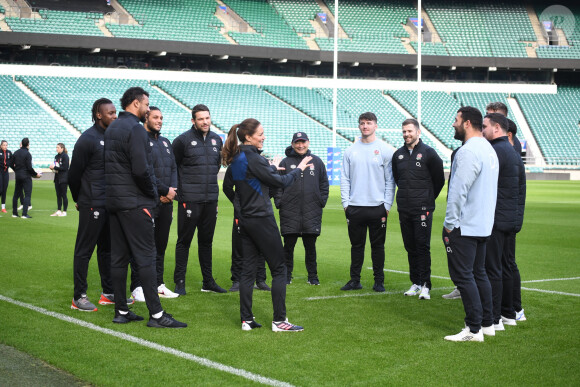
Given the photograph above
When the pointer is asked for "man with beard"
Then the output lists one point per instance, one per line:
(198, 158)
(469, 221)
(166, 178)
(132, 196)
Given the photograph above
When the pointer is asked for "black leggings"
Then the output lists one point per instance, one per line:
(61, 196)
(4, 178)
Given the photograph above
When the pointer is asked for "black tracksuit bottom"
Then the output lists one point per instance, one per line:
(22, 185)
(132, 238)
(163, 215)
(61, 196)
(309, 242)
(466, 262)
(237, 257)
(360, 219)
(4, 179)
(512, 303)
(261, 236)
(190, 216)
(416, 232)
(93, 230)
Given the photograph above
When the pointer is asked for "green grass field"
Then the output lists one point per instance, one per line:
(357, 338)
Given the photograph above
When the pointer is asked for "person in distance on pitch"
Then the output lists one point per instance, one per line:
(21, 164)
(60, 168)
(5, 156)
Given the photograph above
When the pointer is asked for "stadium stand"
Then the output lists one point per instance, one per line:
(231, 104)
(429, 48)
(171, 20)
(58, 22)
(554, 121)
(73, 99)
(21, 117)
(298, 13)
(571, 31)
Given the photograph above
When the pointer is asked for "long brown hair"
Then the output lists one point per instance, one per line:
(238, 132)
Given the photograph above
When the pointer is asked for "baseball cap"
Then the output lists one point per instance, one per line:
(299, 136)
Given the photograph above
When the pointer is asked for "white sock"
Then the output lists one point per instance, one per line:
(157, 315)
(3, 206)
(123, 312)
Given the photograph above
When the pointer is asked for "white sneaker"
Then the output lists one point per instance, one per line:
(21, 207)
(413, 290)
(138, 295)
(488, 331)
(454, 295)
(57, 213)
(520, 316)
(424, 293)
(63, 213)
(499, 326)
(166, 293)
(466, 335)
(508, 321)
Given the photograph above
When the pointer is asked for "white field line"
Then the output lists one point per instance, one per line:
(149, 344)
(407, 273)
(550, 279)
(551, 292)
(365, 294)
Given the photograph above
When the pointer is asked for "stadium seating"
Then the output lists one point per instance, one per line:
(21, 117)
(171, 20)
(58, 22)
(572, 31)
(428, 48)
(73, 99)
(298, 13)
(554, 121)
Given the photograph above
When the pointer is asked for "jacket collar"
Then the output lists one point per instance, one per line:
(154, 135)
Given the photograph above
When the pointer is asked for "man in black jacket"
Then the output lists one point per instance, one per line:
(166, 179)
(508, 211)
(198, 156)
(5, 156)
(21, 164)
(132, 196)
(418, 173)
(86, 180)
(301, 205)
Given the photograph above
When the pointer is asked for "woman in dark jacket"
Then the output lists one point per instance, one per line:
(301, 206)
(60, 169)
(253, 177)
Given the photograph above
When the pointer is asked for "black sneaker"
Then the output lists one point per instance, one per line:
(262, 285)
(379, 287)
(249, 325)
(26, 217)
(313, 281)
(180, 288)
(213, 287)
(126, 318)
(165, 321)
(235, 287)
(352, 285)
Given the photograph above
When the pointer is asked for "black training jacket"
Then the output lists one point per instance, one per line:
(5, 160)
(253, 178)
(198, 163)
(301, 203)
(21, 164)
(61, 166)
(163, 163)
(511, 183)
(86, 175)
(228, 189)
(129, 166)
(419, 177)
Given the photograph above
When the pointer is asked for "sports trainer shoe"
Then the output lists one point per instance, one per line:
(63, 213)
(425, 295)
(352, 285)
(313, 281)
(520, 316)
(57, 213)
(262, 285)
(83, 304)
(285, 326)
(249, 325)
(15, 216)
(454, 295)
(488, 331)
(379, 287)
(213, 287)
(4, 210)
(508, 321)
(163, 292)
(126, 318)
(499, 326)
(466, 335)
(137, 294)
(413, 290)
(180, 288)
(235, 287)
(107, 299)
(21, 207)
(165, 321)
(26, 217)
